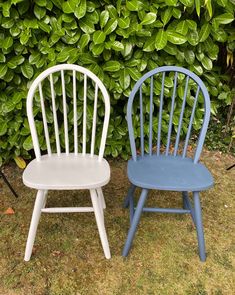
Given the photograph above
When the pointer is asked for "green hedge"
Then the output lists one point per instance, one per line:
(118, 42)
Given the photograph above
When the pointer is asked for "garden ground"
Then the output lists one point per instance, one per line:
(68, 258)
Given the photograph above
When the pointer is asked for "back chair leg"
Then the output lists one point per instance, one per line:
(135, 222)
(39, 203)
(101, 197)
(184, 196)
(100, 223)
(199, 226)
(45, 198)
(130, 193)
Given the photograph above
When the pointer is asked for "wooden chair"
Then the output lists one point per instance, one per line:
(60, 96)
(162, 164)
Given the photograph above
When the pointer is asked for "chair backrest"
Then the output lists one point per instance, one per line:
(63, 97)
(157, 104)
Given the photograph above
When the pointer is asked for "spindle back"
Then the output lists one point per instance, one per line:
(65, 96)
(155, 100)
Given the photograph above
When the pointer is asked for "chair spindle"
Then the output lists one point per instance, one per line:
(171, 115)
(66, 135)
(181, 117)
(190, 123)
(55, 116)
(151, 117)
(84, 115)
(94, 121)
(141, 123)
(44, 118)
(160, 115)
(75, 114)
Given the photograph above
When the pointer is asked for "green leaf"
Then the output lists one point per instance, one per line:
(166, 15)
(39, 12)
(187, 3)
(224, 18)
(117, 46)
(3, 128)
(161, 40)
(3, 70)
(197, 69)
(124, 23)
(149, 45)
(149, 18)
(205, 32)
(207, 63)
(175, 38)
(34, 57)
(176, 13)
(189, 56)
(27, 70)
(46, 28)
(134, 73)
(66, 53)
(182, 28)
(87, 26)
(104, 17)
(192, 24)
(198, 7)
(193, 38)
(69, 6)
(171, 2)
(133, 5)
(98, 49)
(110, 26)
(84, 40)
(209, 7)
(28, 144)
(15, 61)
(111, 66)
(24, 36)
(80, 11)
(99, 37)
(2, 57)
(7, 42)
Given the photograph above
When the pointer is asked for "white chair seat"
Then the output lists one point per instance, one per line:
(67, 172)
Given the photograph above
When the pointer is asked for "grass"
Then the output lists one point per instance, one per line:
(68, 258)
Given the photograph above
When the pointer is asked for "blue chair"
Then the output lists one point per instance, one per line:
(166, 164)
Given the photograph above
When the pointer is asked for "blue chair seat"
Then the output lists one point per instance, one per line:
(169, 173)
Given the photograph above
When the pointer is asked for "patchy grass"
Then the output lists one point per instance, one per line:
(68, 258)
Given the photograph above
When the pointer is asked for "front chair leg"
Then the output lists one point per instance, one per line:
(135, 222)
(100, 223)
(130, 193)
(199, 226)
(39, 203)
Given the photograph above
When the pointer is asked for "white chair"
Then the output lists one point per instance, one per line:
(67, 165)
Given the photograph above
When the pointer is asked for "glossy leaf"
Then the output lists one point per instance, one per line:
(111, 66)
(99, 37)
(175, 38)
(161, 40)
(149, 18)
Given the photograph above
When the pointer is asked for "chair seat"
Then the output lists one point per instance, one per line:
(169, 173)
(67, 172)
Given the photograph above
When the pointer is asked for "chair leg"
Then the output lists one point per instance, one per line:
(45, 198)
(39, 203)
(131, 191)
(184, 195)
(101, 197)
(100, 223)
(199, 226)
(135, 222)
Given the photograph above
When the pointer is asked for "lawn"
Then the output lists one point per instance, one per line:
(68, 258)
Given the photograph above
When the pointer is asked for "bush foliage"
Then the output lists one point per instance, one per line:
(118, 41)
